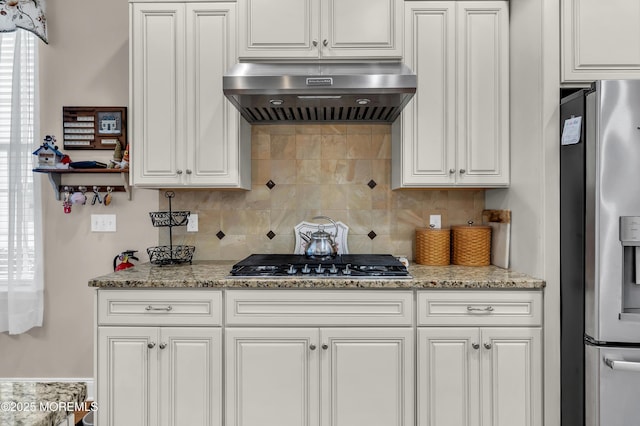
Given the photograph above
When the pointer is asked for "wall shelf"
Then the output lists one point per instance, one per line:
(55, 178)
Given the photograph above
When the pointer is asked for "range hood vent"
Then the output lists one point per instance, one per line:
(291, 93)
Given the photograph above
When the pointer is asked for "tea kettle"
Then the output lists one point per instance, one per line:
(320, 244)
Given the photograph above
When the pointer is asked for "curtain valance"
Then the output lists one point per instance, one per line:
(25, 14)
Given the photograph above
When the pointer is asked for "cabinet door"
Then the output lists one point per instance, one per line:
(271, 377)
(362, 28)
(157, 92)
(600, 40)
(367, 377)
(427, 152)
(279, 28)
(212, 147)
(191, 376)
(127, 376)
(511, 376)
(483, 93)
(448, 376)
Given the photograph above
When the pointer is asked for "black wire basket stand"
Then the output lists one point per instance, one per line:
(169, 255)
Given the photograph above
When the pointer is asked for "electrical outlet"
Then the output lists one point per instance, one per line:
(192, 223)
(435, 220)
(103, 223)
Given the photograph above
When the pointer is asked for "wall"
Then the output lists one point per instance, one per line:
(318, 170)
(85, 63)
(533, 194)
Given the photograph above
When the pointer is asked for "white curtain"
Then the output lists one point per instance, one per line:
(21, 262)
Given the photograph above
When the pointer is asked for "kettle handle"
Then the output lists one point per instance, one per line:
(335, 225)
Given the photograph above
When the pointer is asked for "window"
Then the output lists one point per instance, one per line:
(20, 233)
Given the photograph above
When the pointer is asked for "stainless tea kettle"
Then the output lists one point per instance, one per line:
(320, 244)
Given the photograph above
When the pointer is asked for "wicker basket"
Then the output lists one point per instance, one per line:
(432, 246)
(471, 245)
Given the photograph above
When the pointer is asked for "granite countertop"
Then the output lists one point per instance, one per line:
(39, 403)
(215, 274)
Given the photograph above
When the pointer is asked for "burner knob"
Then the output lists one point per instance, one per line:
(291, 270)
(346, 270)
(320, 269)
(333, 269)
(306, 269)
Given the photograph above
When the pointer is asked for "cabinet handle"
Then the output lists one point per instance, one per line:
(475, 345)
(188, 171)
(151, 345)
(325, 346)
(162, 345)
(312, 347)
(474, 309)
(487, 345)
(160, 308)
(325, 42)
(462, 171)
(452, 171)
(315, 43)
(179, 171)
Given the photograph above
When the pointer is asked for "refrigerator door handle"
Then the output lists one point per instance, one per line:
(622, 365)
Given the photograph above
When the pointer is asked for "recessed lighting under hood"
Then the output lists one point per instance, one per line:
(317, 92)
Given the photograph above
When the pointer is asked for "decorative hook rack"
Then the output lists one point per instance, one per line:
(55, 178)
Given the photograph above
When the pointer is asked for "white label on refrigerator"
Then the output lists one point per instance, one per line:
(571, 131)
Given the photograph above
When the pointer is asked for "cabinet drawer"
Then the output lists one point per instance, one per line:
(159, 307)
(318, 307)
(480, 308)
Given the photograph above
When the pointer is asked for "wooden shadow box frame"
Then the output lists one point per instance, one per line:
(87, 127)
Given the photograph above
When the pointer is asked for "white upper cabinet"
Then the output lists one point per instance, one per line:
(320, 29)
(455, 131)
(600, 40)
(185, 132)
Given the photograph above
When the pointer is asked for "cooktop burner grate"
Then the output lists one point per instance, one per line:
(340, 266)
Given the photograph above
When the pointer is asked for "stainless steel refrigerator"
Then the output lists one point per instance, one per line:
(600, 254)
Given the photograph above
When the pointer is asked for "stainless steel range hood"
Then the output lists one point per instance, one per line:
(285, 93)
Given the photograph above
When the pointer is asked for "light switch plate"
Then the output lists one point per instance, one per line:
(103, 223)
(192, 223)
(435, 220)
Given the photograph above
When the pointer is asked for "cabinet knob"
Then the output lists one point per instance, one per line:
(462, 171)
(312, 347)
(325, 346)
(315, 43)
(179, 171)
(151, 345)
(189, 171)
(325, 42)
(475, 345)
(452, 171)
(162, 345)
(487, 345)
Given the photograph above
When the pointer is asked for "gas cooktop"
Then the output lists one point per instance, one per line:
(340, 266)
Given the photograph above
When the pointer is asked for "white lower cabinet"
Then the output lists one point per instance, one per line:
(346, 358)
(480, 376)
(157, 375)
(319, 357)
(319, 376)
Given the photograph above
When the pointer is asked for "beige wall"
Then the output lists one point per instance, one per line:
(86, 63)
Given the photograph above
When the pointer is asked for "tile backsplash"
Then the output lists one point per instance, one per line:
(298, 172)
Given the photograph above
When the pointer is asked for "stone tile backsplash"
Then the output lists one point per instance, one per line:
(340, 171)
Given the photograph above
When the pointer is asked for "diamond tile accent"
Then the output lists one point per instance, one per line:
(220, 235)
(270, 184)
(271, 234)
(372, 235)
(372, 184)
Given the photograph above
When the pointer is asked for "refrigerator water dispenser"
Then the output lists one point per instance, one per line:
(630, 238)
